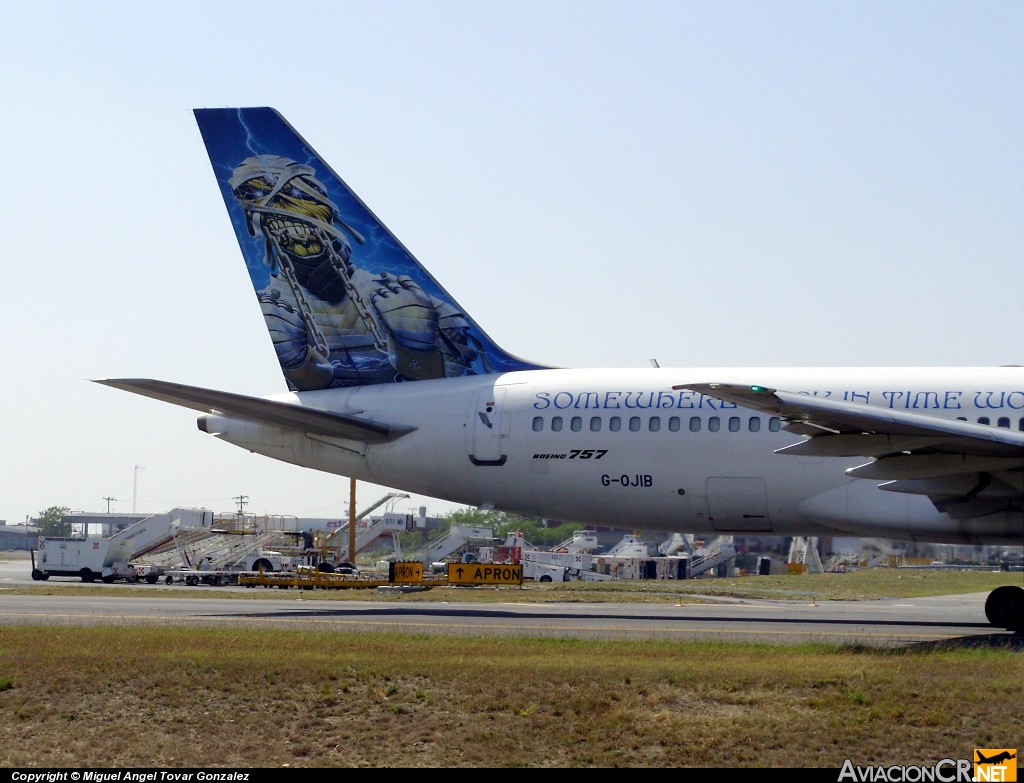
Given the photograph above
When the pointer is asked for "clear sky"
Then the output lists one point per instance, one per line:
(598, 184)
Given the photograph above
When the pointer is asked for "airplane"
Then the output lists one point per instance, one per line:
(391, 381)
(996, 759)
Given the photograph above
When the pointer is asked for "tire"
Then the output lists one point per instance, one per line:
(87, 575)
(37, 575)
(545, 578)
(108, 580)
(168, 580)
(266, 565)
(1004, 607)
(191, 580)
(151, 578)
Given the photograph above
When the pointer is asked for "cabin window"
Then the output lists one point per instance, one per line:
(615, 424)
(734, 424)
(673, 424)
(983, 420)
(576, 423)
(1020, 425)
(1004, 421)
(654, 424)
(695, 424)
(556, 424)
(714, 424)
(961, 418)
(774, 424)
(538, 423)
(634, 424)
(754, 425)
(595, 423)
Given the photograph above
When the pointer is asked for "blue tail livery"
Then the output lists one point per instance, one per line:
(346, 304)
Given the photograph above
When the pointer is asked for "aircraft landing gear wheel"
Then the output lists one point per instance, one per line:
(1004, 608)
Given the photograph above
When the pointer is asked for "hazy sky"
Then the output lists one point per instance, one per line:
(704, 183)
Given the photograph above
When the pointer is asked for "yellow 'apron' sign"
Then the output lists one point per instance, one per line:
(405, 573)
(485, 574)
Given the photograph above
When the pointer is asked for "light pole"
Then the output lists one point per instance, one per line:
(135, 486)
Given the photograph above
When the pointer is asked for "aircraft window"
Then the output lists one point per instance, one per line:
(714, 423)
(556, 424)
(983, 420)
(673, 424)
(1004, 421)
(634, 424)
(734, 424)
(1020, 425)
(575, 423)
(961, 418)
(754, 425)
(655, 423)
(695, 424)
(538, 423)
(595, 423)
(774, 424)
(615, 424)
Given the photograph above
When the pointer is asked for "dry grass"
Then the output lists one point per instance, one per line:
(178, 697)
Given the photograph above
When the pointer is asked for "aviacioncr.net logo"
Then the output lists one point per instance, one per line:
(998, 765)
(944, 771)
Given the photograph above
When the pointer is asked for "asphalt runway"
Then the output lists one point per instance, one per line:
(942, 620)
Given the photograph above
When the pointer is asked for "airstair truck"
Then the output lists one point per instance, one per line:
(109, 559)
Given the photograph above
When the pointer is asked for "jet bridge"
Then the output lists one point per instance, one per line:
(457, 537)
(718, 552)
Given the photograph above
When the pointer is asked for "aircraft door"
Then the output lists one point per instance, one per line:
(490, 428)
(738, 505)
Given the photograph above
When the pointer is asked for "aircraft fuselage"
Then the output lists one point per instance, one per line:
(623, 449)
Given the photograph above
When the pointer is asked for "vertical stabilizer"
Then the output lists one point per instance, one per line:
(346, 304)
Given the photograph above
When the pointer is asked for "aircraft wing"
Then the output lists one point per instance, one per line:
(279, 414)
(977, 468)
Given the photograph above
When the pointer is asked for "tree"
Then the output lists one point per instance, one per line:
(54, 522)
(502, 523)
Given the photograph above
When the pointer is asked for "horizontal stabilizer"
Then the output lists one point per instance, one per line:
(280, 414)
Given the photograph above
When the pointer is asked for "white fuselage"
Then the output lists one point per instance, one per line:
(621, 448)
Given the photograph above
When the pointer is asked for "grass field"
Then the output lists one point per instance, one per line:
(185, 697)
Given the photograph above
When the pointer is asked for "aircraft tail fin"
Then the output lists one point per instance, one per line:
(345, 303)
